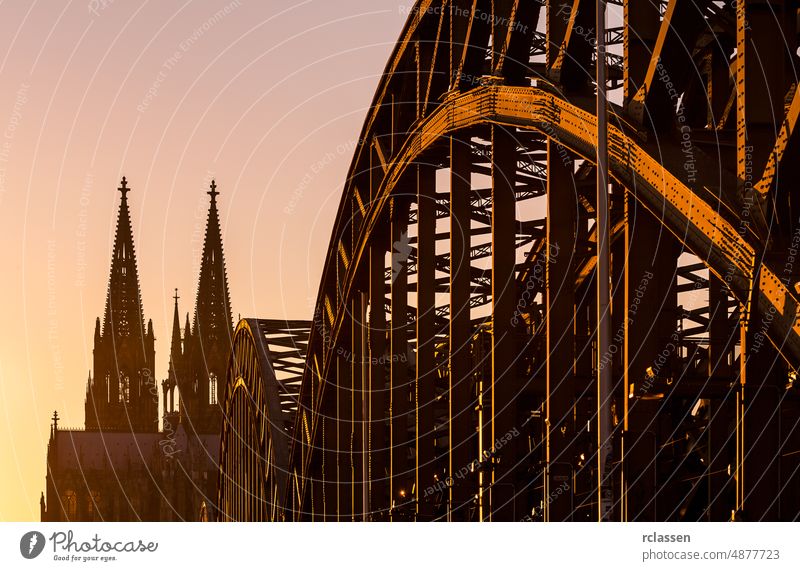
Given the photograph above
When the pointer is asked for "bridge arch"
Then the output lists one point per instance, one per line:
(450, 367)
(259, 404)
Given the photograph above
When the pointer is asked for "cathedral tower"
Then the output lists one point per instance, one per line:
(207, 345)
(122, 394)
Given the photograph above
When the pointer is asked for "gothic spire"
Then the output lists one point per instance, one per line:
(176, 325)
(120, 395)
(175, 350)
(123, 312)
(213, 311)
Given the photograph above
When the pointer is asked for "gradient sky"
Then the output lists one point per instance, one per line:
(268, 98)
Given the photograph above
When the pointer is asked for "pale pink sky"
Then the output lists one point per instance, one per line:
(268, 98)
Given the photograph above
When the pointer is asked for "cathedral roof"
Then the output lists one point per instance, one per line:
(92, 450)
(126, 451)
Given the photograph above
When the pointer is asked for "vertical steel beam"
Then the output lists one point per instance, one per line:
(721, 332)
(378, 459)
(560, 302)
(720, 436)
(329, 442)
(585, 406)
(399, 486)
(559, 390)
(460, 429)
(504, 297)
(484, 424)
(426, 317)
(790, 460)
(344, 428)
(649, 267)
(426, 373)
(605, 492)
(740, 418)
(366, 412)
(356, 401)
(317, 453)
(761, 445)
(760, 85)
(619, 252)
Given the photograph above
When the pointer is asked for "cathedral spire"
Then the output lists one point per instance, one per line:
(176, 328)
(213, 311)
(123, 312)
(208, 346)
(176, 349)
(120, 394)
(176, 365)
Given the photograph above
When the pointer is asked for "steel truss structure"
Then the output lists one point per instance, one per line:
(451, 368)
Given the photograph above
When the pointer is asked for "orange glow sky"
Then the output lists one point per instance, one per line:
(268, 99)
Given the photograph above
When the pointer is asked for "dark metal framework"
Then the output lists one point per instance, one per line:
(452, 367)
(260, 405)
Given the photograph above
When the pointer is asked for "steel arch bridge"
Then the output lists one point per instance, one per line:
(260, 404)
(451, 368)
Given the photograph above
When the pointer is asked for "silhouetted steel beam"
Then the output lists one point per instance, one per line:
(401, 479)
(605, 499)
(459, 423)
(425, 369)
(504, 295)
(560, 304)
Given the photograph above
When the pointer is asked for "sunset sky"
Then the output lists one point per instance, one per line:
(267, 97)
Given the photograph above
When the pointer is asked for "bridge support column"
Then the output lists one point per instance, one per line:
(504, 297)
(357, 394)
(650, 263)
(760, 425)
(344, 433)
(377, 456)
(330, 454)
(761, 85)
(560, 302)
(720, 439)
(720, 430)
(790, 461)
(400, 484)
(426, 341)
(460, 427)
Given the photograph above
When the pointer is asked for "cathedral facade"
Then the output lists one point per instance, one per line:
(124, 466)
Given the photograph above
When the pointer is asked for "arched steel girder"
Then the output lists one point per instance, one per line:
(461, 75)
(257, 414)
(705, 230)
